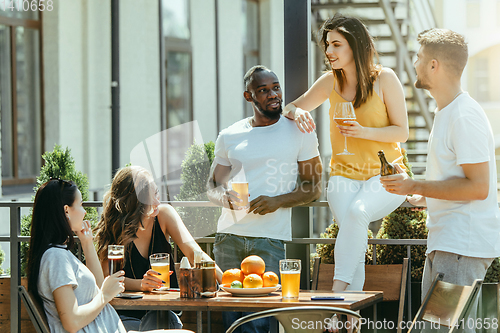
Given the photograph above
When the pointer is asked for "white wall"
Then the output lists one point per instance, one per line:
(272, 41)
(139, 74)
(204, 67)
(230, 62)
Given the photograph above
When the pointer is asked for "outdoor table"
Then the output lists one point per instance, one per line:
(353, 300)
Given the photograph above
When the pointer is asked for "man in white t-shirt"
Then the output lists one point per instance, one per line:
(269, 152)
(460, 190)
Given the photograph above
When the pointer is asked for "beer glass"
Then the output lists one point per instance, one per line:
(290, 278)
(242, 189)
(116, 256)
(116, 259)
(160, 262)
(344, 112)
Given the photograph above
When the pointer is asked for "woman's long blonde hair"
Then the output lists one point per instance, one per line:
(125, 203)
(363, 51)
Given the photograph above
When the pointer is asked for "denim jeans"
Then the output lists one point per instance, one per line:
(229, 251)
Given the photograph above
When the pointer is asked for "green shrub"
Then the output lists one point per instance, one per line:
(200, 221)
(403, 223)
(58, 164)
(2, 258)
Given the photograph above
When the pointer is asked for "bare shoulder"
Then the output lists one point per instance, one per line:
(389, 82)
(387, 75)
(166, 215)
(327, 78)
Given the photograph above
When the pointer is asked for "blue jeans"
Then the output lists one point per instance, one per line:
(229, 251)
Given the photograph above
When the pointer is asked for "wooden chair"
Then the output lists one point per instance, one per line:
(390, 279)
(35, 311)
(447, 304)
(298, 319)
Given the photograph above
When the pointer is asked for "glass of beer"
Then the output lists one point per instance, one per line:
(290, 278)
(160, 262)
(242, 189)
(116, 257)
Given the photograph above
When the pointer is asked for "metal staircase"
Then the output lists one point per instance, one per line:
(394, 26)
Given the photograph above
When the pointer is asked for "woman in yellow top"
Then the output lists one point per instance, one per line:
(354, 192)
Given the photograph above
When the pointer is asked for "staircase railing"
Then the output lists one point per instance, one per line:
(407, 61)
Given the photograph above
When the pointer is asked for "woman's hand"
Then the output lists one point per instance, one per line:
(352, 129)
(85, 235)
(113, 285)
(304, 121)
(151, 281)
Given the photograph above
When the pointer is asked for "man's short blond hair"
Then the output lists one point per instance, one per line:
(446, 46)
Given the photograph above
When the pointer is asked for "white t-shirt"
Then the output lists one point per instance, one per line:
(462, 134)
(268, 156)
(59, 267)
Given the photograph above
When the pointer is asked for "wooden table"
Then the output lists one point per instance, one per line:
(353, 300)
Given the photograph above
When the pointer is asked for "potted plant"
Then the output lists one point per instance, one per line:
(200, 221)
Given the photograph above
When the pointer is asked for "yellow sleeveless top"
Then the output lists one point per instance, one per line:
(365, 163)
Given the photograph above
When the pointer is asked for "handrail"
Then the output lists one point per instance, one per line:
(393, 25)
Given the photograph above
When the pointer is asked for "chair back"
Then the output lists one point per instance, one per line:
(310, 319)
(391, 279)
(446, 303)
(35, 311)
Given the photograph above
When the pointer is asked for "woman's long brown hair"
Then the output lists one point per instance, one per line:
(363, 51)
(125, 203)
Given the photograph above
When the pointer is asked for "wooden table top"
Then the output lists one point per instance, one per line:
(353, 300)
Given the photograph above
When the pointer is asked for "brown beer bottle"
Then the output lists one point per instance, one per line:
(386, 168)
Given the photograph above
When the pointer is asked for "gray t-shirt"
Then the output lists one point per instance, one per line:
(59, 267)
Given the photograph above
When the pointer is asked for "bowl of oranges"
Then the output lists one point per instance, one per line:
(251, 279)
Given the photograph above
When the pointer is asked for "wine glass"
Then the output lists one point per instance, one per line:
(344, 112)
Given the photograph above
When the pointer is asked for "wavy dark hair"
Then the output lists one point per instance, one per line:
(363, 51)
(49, 225)
(125, 203)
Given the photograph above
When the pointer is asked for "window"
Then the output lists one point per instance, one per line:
(250, 41)
(473, 13)
(20, 97)
(482, 79)
(177, 87)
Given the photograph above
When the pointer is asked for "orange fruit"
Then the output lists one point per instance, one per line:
(270, 279)
(253, 265)
(231, 275)
(252, 281)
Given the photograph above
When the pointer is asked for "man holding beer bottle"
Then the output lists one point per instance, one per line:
(460, 190)
(261, 156)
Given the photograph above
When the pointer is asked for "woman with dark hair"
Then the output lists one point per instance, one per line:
(132, 216)
(354, 192)
(68, 289)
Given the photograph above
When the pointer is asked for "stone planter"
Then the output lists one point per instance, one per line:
(26, 325)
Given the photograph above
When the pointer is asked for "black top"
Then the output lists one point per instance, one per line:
(136, 265)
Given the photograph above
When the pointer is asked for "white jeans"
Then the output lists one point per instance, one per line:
(354, 204)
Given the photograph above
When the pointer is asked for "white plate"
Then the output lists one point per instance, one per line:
(251, 292)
